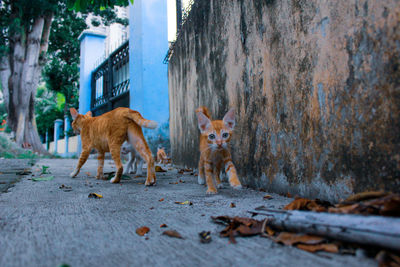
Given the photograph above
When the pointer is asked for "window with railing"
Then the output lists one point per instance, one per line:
(110, 81)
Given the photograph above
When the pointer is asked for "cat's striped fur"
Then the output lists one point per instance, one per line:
(214, 150)
(107, 132)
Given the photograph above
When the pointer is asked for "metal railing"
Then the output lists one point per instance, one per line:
(110, 82)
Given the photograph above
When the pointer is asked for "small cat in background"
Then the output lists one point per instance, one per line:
(135, 162)
(214, 151)
(162, 156)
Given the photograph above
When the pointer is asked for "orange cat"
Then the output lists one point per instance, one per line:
(107, 132)
(214, 151)
(162, 156)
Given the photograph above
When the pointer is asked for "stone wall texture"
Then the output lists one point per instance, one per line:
(315, 84)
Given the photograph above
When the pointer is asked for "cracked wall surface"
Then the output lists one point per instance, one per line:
(315, 84)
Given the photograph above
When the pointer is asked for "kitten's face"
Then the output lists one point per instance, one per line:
(218, 132)
(126, 148)
(217, 137)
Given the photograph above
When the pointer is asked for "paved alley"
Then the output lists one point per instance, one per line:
(42, 224)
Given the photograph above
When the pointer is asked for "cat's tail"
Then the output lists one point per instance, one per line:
(137, 117)
(204, 110)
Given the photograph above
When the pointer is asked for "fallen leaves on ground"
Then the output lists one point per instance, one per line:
(23, 172)
(187, 202)
(38, 179)
(307, 204)
(159, 169)
(374, 203)
(45, 169)
(65, 188)
(181, 171)
(387, 205)
(161, 199)
(238, 226)
(387, 259)
(172, 233)
(94, 195)
(205, 237)
(267, 197)
(163, 225)
(332, 248)
(232, 205)
(290, 239)
(142, 230)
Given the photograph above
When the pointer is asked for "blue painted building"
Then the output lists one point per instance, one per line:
(134, 75)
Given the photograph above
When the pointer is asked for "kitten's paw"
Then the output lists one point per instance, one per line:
(219, 186)
(211, 192)
(114, 180)
(148, 183)
(237, 187)
(73, 174)
(200, 180)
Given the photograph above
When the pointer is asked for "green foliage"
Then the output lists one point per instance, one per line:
(47, 111)
(83, 5)
(17, 18)
(10, 150)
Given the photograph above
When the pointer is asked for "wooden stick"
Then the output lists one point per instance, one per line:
(368, 230)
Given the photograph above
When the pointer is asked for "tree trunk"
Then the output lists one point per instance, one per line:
(20, 74)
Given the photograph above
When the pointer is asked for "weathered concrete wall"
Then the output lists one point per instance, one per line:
(316, 85)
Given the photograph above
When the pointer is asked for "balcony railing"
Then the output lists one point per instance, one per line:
(110, 82)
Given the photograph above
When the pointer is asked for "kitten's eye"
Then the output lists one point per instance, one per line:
(225, 135)
(211, 136)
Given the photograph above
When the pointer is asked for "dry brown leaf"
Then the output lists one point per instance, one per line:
(187, 202)
(365, 196)
(142, 230)
(293, 238)
(161, 199)
(172, 233)
(163, 225)
(267, 197)
(298, 204)
(269, 231)
(159, 169)
(307, 204)
(333, 248)
(94, 195)
(232, 205)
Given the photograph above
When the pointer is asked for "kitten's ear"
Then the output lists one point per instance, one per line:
(74, 113)
(229, 119)
(89, 113)
(203, 121)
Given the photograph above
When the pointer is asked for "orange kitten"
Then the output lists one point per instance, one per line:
(214, 151)
(107, 132)
(162, 156)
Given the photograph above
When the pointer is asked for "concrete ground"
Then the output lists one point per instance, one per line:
(43, 225)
